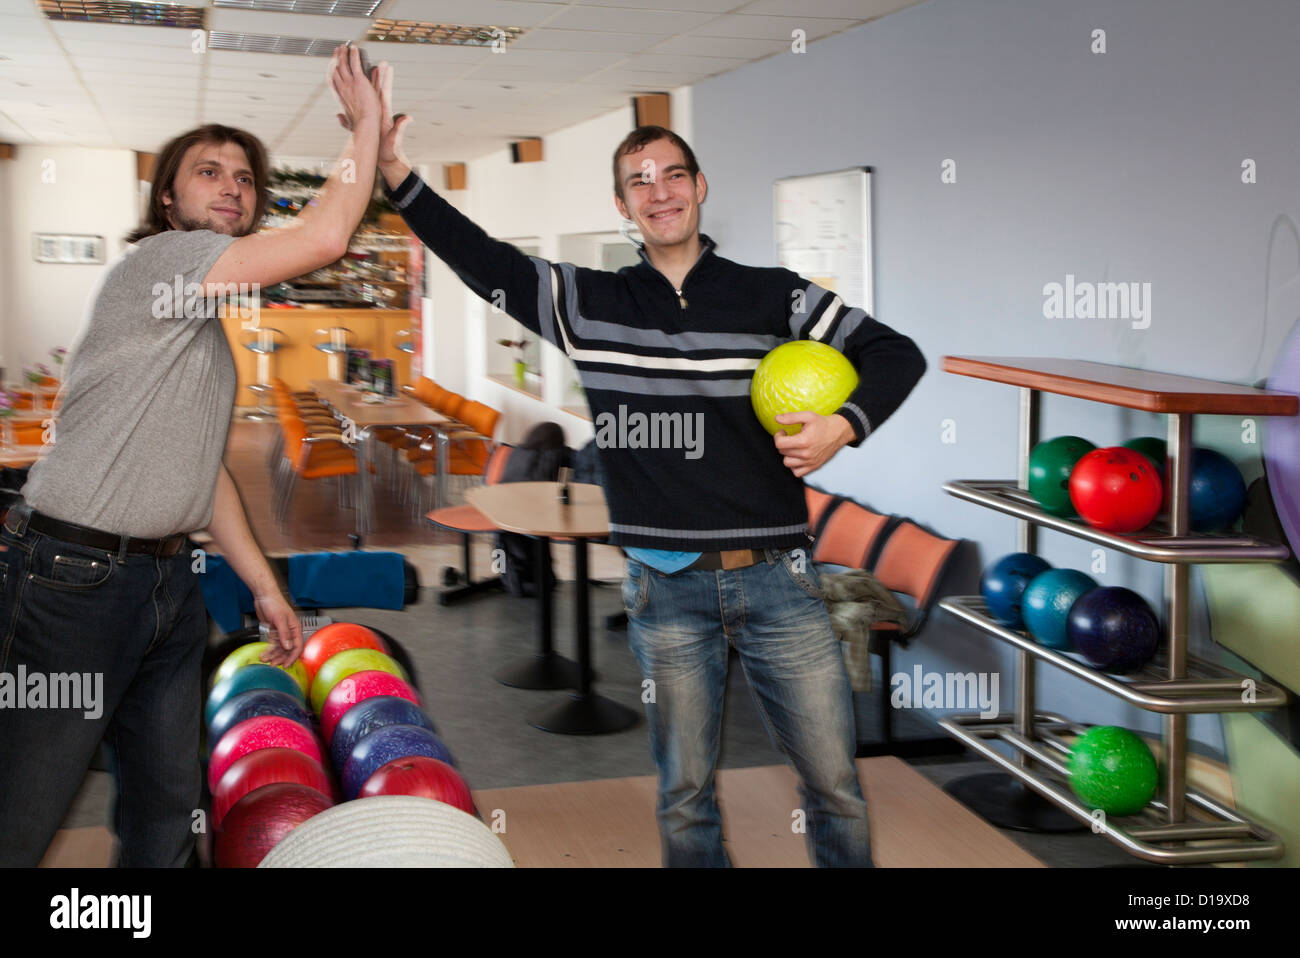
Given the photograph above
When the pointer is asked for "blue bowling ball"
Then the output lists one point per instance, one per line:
(364, 717)
(1216, 494)
(246, 679)
(1046, 605)
(1003, 586)
(385, 745)
(253, 703)
(1114, 628)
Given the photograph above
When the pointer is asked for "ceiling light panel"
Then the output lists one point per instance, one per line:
(124, 12)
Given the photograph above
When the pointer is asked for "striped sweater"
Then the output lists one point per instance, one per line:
(688, 466)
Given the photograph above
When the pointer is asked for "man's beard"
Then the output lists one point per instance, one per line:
(213, 223)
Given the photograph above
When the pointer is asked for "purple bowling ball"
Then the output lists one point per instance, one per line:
(385, 745)
(253, 703)
(364, 717)
(1114, 629)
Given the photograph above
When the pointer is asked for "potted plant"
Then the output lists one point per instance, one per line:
(521, 365)
(38, 374)
(6, 418)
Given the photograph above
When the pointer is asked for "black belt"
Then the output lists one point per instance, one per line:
(94, 538)
(731, 559)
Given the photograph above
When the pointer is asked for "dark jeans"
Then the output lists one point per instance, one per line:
(137, 625)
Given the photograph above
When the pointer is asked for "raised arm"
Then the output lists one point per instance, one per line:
(319, 235)
(511, 281)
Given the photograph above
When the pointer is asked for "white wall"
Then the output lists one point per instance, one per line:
(93, 192)
(570, 191)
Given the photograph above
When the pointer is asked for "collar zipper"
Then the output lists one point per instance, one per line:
(681, 299)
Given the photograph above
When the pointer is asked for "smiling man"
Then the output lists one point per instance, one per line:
(96, 574)
(715, 542)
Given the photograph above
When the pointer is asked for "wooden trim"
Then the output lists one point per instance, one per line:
(1123, 386)
(6, 151)
(526, 151)
(454, 176)
(144, 164)
(652, 109)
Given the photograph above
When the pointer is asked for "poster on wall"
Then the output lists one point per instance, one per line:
(823, 231)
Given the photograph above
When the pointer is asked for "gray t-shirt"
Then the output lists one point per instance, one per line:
(147, 403)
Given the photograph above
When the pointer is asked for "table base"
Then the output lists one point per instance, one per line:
(546, 671)
(585, 715)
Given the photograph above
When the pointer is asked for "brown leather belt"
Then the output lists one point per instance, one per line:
(86, 536)
(731, 559)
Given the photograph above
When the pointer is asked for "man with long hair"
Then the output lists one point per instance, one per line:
(716, 533)
(96, 578)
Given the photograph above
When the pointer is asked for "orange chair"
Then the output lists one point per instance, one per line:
(310, 454)
(456, 452)
(848, 535)
(912, 563)
(467, 520)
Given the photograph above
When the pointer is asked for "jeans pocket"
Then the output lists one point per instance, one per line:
(636, 588)
(71, 570)
(803, 573)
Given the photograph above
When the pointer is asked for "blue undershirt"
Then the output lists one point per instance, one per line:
(666, 562)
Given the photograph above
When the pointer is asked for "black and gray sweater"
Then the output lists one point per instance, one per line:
(688, 466)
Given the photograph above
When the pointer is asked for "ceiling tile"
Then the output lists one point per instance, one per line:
(745, 27)
(623, 20)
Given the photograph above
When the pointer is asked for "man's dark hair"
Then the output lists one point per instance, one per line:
(641, 137)
(169, 162)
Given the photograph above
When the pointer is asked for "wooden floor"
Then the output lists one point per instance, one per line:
(611, 824)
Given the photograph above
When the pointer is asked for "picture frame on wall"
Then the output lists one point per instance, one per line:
(822, 231)
(69, 248)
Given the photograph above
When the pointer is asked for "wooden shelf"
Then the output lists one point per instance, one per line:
(1121, 386)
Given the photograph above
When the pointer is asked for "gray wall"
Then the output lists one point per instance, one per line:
(1120, 166)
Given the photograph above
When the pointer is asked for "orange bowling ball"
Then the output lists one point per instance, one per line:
(335, 638)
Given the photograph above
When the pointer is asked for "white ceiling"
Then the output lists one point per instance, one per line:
(133, 87)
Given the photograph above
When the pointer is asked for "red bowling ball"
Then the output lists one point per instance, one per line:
(423, 777)
(358, 687)
(260, 819)
(263, 731)
(1116, 489)
(267, 766)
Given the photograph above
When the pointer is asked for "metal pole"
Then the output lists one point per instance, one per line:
(1178, 471)
(1026, 541)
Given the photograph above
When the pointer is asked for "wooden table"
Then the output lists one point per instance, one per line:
(399, 411)
(16, 457)
(534, 509)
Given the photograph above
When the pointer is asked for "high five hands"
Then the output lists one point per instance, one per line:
(392, 162)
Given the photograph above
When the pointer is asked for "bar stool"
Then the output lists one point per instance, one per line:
(336, 348)
(264, 343)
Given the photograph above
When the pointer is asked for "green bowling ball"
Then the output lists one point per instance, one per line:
(1112, 769)
(1050, 465)
(1151, 447)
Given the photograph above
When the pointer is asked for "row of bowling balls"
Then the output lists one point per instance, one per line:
(1122, 488)
(266, 768)
(1112, 627)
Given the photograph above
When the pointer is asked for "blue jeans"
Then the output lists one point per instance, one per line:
(140, 625)
(679, 628)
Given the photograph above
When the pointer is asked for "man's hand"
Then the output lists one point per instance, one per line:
(392, 162)
(355, 91)
(286, 631)
(820, 438)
